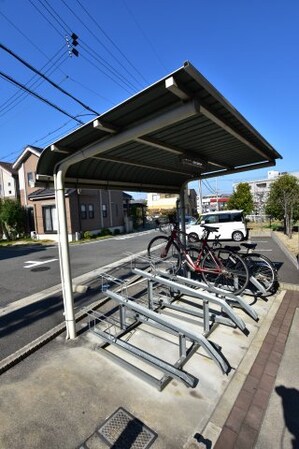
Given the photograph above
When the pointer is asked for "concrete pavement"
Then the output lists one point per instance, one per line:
(61, 395)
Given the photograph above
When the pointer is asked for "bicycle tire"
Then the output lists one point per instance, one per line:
(165, 260)
(264, 271)
(234, 276)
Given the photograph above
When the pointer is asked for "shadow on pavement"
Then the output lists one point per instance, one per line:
(290, 404)
(17, 251)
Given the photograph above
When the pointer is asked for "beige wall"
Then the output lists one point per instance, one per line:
(112, 200)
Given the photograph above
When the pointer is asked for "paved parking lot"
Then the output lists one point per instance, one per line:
(288, 272)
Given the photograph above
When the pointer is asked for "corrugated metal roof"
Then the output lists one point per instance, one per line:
(177, 130)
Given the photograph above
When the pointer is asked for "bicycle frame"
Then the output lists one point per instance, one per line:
(203, 250)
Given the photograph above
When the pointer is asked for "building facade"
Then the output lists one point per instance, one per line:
(86, 210)
(9, 186)
(163, 203)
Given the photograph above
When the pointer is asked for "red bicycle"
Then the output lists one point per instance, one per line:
(225, 270)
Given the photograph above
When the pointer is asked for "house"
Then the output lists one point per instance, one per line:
(88, 210)
(9, 185)
(159, 203)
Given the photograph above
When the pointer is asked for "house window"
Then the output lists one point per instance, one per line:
(83, 211)
(30, 179)
(104, 210)
(90, 211)
(156, 197)
(9, 184)
(50, 218)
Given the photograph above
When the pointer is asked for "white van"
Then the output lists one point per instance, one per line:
(231, 225)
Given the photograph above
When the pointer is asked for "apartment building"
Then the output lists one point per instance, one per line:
(87, 210)
(260, 189)
(9, 186)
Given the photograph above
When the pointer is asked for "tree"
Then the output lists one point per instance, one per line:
(241, 198)
(283, 201)
(12, 218)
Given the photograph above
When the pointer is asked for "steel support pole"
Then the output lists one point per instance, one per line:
(64, 257)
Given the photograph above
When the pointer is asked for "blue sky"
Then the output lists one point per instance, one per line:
(247, 49)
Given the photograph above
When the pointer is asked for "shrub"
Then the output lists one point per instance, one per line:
(87, 235)
(116, 231)
(105, 231)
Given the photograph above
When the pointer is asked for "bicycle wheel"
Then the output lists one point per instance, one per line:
(225, 269)
(262, 269)
(164, 255)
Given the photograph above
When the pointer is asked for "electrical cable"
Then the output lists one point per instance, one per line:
(15, 99)
(66, 29)
(43, 15)
(145, 36)
(100, 60)
(47, 79)
(46, 56)
(20, 85)
(110, 40)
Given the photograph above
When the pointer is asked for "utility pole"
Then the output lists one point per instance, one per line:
(199, 201)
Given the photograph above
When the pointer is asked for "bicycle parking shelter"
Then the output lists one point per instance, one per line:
(175, 131)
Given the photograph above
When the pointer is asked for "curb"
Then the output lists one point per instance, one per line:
(284, 249)
(211, 431)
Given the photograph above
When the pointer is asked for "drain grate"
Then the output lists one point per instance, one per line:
(124, 431)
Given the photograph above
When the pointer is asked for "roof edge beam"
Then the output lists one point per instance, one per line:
(173, 87)
(103, 126)
(239, 169)
(58, 149)
(231, 131)
(117, 185)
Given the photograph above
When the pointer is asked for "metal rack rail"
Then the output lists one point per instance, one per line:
(230, 318)
(117, 329)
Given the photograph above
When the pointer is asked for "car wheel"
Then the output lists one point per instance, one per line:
(193, 237)
(237, 236)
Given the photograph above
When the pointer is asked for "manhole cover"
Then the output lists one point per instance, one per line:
(123, 431)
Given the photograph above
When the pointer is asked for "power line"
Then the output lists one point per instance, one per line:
(46, 56)
(47, 79)
(20, 85)
(43, 15)
(120, 79)
(111, 68)
(113, 71)
(145, 36)
(34, 81)
(110, 40)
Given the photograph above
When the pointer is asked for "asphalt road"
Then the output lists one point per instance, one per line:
(28, 270)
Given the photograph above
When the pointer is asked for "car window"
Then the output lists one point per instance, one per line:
(237, 216)
(224, 218)
(211, 219)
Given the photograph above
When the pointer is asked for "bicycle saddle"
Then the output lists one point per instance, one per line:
(233, 249)
(249, 245)
(210, 228)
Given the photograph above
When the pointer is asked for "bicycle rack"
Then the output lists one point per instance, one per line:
(113, 331)
(205, 297)
(229, 298)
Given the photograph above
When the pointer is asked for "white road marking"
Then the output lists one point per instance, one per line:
(35, 263)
